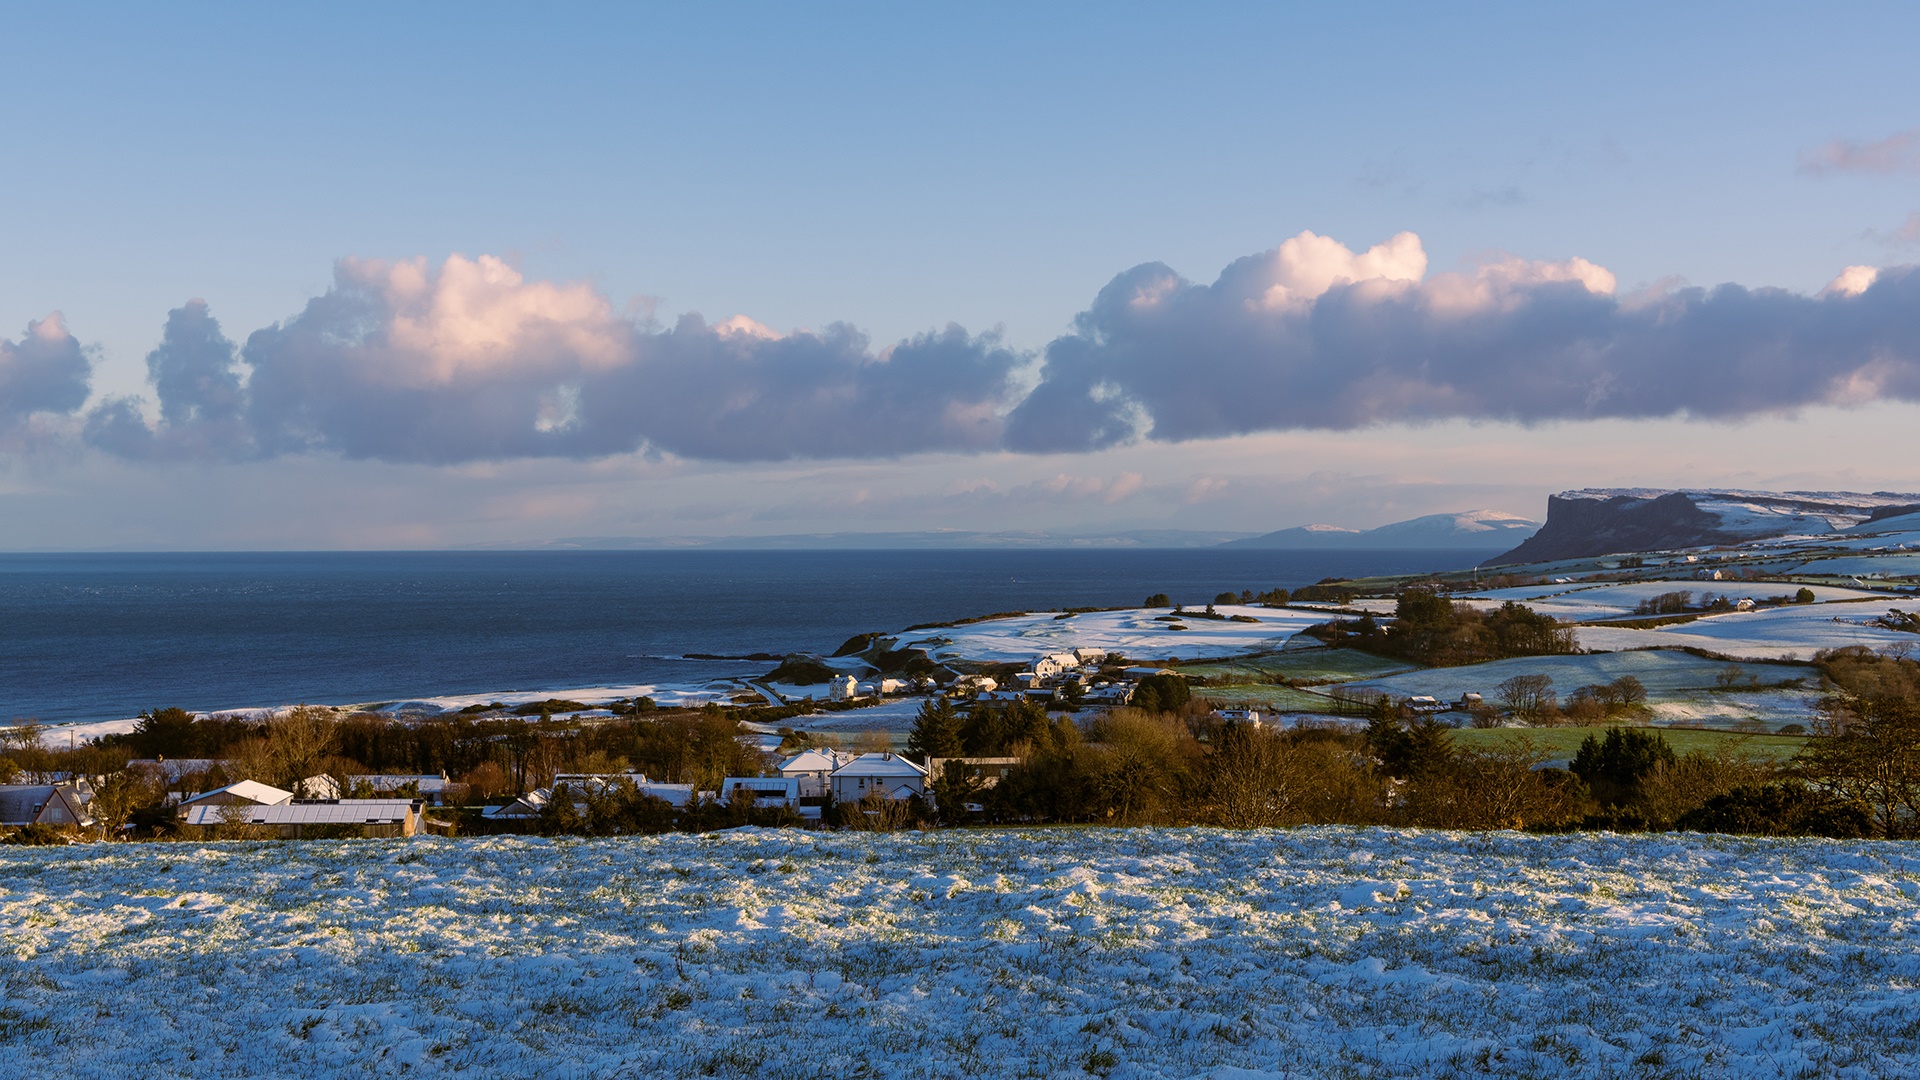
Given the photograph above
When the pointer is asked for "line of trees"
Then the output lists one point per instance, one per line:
(1431, 628)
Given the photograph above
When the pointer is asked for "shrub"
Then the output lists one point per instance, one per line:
(1158, 599)
(1615, 766)
(1161, 693)
(1779, 810)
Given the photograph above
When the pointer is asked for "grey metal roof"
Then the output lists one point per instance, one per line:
(341, 812)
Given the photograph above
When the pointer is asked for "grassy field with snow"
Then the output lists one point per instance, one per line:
(1130, 953)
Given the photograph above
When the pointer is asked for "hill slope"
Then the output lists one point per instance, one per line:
(1483, 529)
(1603, 521)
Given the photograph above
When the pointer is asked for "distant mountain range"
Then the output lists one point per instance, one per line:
(1607, 521)
(1484, 530)
(939, 538)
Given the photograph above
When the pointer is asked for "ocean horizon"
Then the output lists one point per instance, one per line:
(103, 636)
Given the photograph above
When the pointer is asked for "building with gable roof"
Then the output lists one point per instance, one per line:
(888, 775)
(44, 804)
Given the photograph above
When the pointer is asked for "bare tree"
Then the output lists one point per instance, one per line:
(299, 740)
(1530, 698)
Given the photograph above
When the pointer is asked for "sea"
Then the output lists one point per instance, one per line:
(93, 637)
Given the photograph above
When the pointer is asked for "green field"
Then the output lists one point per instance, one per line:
(1314, 666)
(1266, 695)
(1565, 742)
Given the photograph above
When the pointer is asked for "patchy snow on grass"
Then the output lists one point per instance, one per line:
(1137, 633)
(1130, 953)
(1584, 600)
(1794, 632)
(1773, 708)
(1658, 670)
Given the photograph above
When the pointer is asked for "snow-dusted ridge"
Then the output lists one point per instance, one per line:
(1600, 521)
(1130, 953)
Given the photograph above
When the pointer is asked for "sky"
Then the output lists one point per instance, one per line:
(398, 276)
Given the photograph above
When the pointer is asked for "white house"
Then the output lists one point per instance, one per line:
(888, 775)
(1239, 716)
(1054, 665)
(843, 688)
(977, 684)
(812, 768)
(44, 804)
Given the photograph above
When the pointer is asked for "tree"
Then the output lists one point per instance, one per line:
(1616, 766)
(1158, 600)
(165, 733)
(953, 788)
(936, 731)
(1804, 596)
(1407, 749)
(1870, 756)
(1161, 693)
(1529, 698)
(297, 741)
(118, 795)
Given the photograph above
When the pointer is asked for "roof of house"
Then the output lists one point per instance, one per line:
(787, 785)
(316, 812)
(249, 790)
(174, 768)
(434, 784)
(815, 761)
(880, 765)
(21, 803)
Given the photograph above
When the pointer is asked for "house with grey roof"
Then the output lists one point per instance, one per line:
(317, 817)
(44, 804)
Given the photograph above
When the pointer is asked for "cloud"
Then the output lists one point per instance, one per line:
(46, 371)
(470, 362)
(1897, 153)
(1163, 358)
(203, 403)
(1906, 234)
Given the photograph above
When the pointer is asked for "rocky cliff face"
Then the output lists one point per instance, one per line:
(1605, 521)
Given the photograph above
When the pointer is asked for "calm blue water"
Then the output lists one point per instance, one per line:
(99, 636)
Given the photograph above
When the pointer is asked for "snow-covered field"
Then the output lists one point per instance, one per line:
(1136, 633)
(1659, 671)
(1796, 631)
(1133, 953)
(1584, 600)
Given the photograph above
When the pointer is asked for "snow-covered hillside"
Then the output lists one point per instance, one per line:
(1130, 953)
(1600, 521)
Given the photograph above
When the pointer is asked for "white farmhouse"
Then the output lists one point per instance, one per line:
(812, 769)
(1054, 665)
(843, 688)
(887, 775)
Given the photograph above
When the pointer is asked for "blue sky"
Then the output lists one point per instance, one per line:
(900, 169)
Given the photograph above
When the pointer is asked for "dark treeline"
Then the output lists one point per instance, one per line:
(1431, 628)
